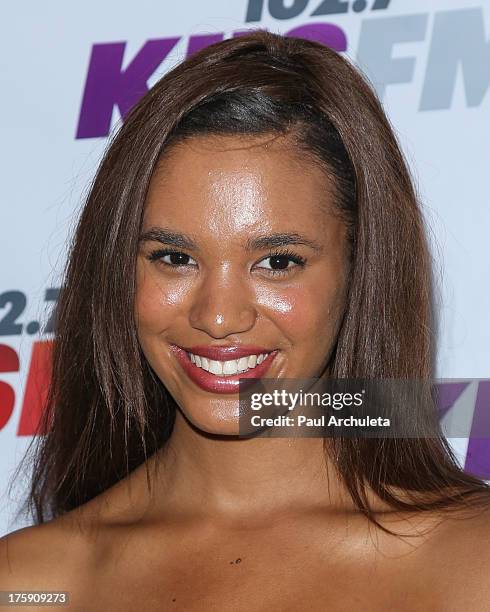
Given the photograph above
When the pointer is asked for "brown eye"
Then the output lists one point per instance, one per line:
(278, 262)
(177, 259)
(281, 262)
(171, 258)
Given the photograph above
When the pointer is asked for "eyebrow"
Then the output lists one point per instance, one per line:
(280, 239)
(167, 236)
(268, 241)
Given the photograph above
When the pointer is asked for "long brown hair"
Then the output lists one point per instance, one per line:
(107, 412)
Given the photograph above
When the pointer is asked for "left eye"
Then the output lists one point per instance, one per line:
(276, 262)
(280, 262)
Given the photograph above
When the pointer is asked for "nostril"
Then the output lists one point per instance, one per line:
(222, 322)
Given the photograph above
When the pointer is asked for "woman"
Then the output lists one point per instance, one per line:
(254, 213)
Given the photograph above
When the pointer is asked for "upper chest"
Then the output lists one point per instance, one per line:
(259, 571)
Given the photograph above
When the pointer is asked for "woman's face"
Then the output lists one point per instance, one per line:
(242, 271)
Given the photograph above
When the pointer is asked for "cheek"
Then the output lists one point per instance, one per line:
(291, 306)
(303, 310)
(156, 301)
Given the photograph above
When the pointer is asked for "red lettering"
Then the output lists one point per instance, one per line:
(9, 362)
(37, 386)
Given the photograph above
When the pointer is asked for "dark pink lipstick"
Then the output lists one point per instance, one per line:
(226, 383)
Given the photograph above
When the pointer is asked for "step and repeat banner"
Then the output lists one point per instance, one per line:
(70, 74)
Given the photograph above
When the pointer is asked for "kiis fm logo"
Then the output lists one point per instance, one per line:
(457, 42)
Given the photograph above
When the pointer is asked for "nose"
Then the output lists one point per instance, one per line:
(222, 307)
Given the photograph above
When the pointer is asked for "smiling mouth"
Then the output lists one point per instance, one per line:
(223, 376)
(231, 367)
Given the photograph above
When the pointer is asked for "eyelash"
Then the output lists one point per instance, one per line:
(297, 259)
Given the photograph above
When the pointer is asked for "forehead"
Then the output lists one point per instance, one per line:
(238, 183)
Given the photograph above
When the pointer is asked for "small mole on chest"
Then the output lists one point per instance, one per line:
(236, 561)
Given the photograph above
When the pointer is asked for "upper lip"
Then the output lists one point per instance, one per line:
(224, 353)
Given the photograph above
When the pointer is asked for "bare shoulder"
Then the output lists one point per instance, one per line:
(444, 555)
(469, 533)
(53, 555)
(68, 551)
(459, 554)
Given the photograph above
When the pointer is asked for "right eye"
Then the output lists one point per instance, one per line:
(171, 258)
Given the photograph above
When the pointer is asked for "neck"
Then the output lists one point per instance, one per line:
(229, 476)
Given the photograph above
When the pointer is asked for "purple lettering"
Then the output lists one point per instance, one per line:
(328, 34)
(200, 41)
(107, 85)
(447, 394)
(478, 455)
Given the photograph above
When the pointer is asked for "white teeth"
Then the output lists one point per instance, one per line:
(229, 367)
(215, 367)
(242, 364)
(252, 361)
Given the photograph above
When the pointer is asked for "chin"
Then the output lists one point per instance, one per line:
(219, 417)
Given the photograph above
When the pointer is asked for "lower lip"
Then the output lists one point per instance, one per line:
(220, 384)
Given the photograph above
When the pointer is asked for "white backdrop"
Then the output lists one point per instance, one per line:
(70, 72)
